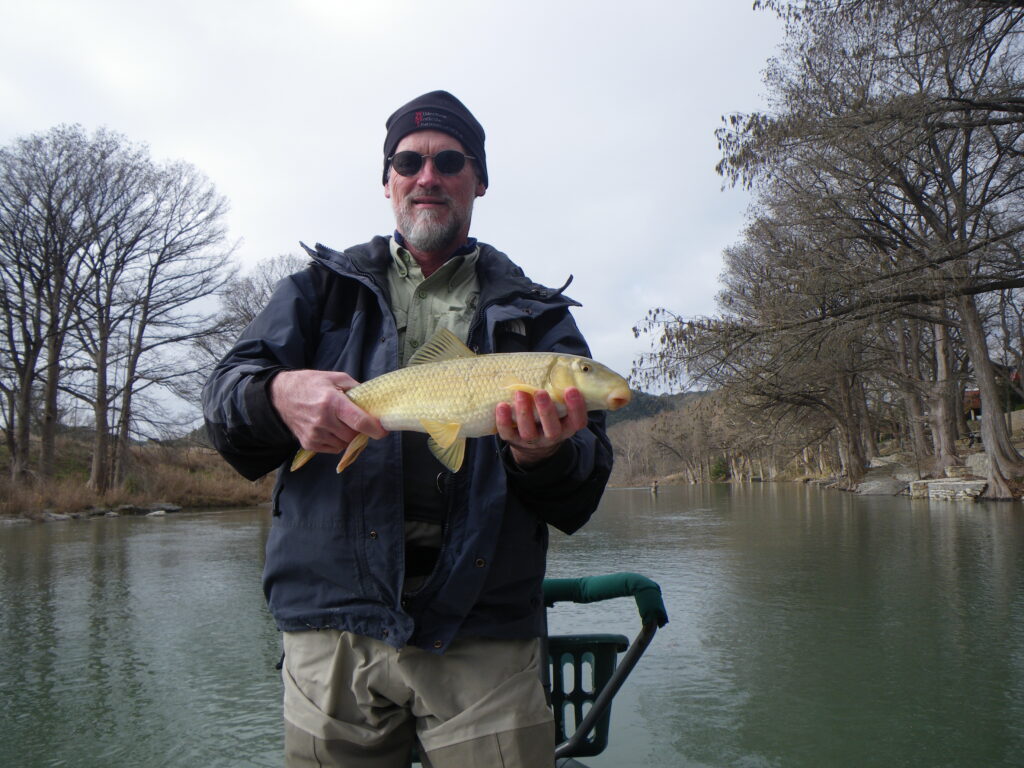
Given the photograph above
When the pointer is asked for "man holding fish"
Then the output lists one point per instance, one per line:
(408, 587)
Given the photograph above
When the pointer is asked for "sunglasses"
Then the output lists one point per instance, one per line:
(448, 162)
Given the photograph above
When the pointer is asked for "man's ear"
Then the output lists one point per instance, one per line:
(480, 189)
(387, 191)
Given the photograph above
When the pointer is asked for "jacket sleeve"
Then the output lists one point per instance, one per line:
(565, 489)
(242, 423)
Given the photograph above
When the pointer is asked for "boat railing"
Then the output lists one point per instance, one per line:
(582, 677)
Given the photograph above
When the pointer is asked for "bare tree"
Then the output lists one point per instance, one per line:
(242, 298)
(43, 184)
(903, 110)
(105, 258)
(161, 252)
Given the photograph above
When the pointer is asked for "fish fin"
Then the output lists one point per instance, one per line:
(451, 456)
(352, 451)
(557, 395)
(443, 345)
(301, 457)
(441, 432)
(518, 386)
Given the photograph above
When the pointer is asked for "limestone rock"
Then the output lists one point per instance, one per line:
(882, 486)
(947, 490)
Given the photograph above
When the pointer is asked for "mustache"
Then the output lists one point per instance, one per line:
(412, 200)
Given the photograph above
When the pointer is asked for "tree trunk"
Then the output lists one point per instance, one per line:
(1004, 461)
(869, 435)
(849, 425)
(915, 425)
(22, 428)
(48, 428)
(910, 372)
(99, 477)
(942, 401)
(57, 322)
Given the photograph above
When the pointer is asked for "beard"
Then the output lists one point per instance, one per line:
(429, 231)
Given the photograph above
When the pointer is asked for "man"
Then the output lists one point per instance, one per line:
(409, 597)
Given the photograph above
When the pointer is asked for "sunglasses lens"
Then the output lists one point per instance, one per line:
(407, 163)
(449, 162)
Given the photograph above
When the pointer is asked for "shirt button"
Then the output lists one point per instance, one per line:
(438, 644)
(373, 534)
(421, 294)
(480, 562)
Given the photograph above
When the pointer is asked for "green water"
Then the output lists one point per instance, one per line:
(808, 628)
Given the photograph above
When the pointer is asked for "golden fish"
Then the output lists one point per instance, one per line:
(450, 393)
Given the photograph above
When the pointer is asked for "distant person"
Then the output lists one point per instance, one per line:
(409, 596)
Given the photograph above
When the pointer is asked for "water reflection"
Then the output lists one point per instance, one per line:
(137, 642)
(814, 628)
(808, 628)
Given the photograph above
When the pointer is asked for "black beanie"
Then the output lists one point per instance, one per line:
(438, 111)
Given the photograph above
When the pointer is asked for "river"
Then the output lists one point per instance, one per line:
(807, 627)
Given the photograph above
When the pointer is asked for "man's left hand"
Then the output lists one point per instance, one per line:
(532, 427)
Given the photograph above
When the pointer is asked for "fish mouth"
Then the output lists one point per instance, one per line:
(618, 399)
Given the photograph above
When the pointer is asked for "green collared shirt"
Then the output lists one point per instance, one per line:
(446, 299)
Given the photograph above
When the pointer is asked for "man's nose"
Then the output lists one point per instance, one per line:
(428, 175)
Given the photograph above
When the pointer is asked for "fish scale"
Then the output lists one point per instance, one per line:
(464, 390)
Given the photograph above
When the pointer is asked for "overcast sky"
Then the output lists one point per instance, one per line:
(600, 119)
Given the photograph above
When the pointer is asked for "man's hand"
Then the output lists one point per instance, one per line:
(532, 428)
(314, 406)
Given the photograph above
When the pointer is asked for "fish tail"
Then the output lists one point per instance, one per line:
(352, 451)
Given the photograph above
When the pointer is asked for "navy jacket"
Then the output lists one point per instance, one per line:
(335, 553)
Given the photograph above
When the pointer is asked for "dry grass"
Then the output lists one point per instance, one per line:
(185, 476)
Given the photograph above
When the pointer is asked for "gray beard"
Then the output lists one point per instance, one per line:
(426, 233)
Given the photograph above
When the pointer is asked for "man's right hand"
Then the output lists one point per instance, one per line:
(314, 406)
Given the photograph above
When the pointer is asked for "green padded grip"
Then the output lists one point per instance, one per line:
(592, 589)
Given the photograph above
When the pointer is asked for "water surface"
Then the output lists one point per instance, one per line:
(808, 628)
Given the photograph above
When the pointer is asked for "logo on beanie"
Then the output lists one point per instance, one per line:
(418, 118)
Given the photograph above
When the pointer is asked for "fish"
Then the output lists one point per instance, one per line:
(450, 392)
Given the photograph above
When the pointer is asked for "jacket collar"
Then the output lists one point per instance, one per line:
(500, 278)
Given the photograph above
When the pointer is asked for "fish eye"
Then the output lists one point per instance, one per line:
(585, 367)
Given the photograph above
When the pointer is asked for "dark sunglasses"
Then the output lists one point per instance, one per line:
(448, 162)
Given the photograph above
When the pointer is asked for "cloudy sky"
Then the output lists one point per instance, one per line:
(600, 119)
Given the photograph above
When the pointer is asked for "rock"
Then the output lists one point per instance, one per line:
(130, 509)
(905, 475)
(145, 509)
(978, 463)
(947, 490)
(49, 516)
(157, 513)
(881, 486)
(959, 472)
(111, 513)
(883, 461)
(163, 506)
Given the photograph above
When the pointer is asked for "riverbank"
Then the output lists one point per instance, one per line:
(898, 474)
(170, 478)
(161, 477)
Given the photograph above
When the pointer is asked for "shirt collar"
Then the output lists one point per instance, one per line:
(463, 250)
